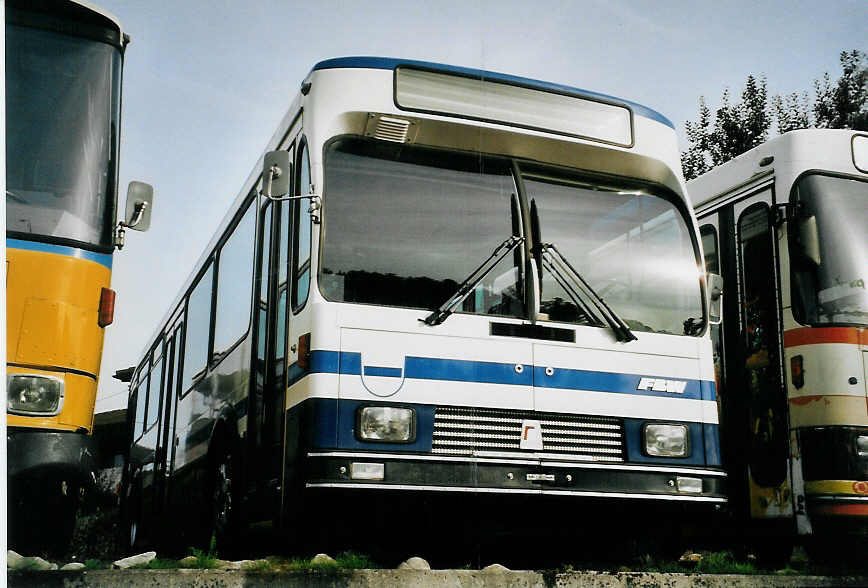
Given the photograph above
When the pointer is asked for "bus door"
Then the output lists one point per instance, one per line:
(756, 428)
(265, 419)
(165, 451)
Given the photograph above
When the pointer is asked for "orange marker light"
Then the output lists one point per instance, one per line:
(796, 371)
(304, 351)
(106, 307)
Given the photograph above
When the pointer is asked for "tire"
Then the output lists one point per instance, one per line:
(221, 527)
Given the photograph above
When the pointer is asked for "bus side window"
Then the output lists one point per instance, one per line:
(712, 266)
(198, 328)
(234, 280)
(301, 233)
(141, 396)
(154, 388)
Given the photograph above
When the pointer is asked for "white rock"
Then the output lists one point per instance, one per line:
(414, 563)
(135, 560)
(31, 563)
(13, 559)
(75, 565)
(323, 559)
(188, 561)
(495, 569)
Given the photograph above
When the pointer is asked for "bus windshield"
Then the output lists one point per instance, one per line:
(834, 291)
(631, 246)
(62, 111)
(404, 225)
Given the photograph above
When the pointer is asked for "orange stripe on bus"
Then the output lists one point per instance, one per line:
(841, 509)
(813, 335)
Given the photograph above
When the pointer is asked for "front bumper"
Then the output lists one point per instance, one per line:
(47, 456)
(332, 469)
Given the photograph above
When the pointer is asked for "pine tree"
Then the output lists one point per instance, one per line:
(736, 128)
(844, 105)
(792, 112)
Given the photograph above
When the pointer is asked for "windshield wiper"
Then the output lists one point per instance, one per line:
(476, 276)
(567, 271)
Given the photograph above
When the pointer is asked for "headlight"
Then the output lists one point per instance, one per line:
(862, 445)
(667, 440)
(33, 395)
(387, 423)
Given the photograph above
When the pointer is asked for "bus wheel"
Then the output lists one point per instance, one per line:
(134, 520)
(223, 512)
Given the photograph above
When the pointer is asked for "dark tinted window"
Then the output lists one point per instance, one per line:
(155, 388)
(302, 232)
(141, 397)
(234, 282)
(198, 328)
(62, 106)
(404, 225)
(709, 248)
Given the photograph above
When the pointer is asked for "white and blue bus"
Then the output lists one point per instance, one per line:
(468, 284)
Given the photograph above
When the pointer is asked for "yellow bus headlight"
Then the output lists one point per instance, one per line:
(33, 395)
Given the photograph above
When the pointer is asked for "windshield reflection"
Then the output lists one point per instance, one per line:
(833, 292)
(632, 247)
(405, 225)
(62, 100)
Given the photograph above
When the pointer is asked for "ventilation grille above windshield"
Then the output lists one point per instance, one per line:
(389, 128)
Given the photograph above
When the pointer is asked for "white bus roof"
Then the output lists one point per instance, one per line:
(796, 151)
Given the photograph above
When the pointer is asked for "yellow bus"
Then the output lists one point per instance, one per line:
(63, 98)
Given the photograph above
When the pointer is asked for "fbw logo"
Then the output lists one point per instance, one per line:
(661, 385)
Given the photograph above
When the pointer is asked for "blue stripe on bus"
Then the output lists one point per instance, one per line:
(383, 372)
(392, 63)
(100, 258)
(606, 382)
(454, 370)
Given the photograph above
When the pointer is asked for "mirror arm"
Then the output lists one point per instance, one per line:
(138, 214)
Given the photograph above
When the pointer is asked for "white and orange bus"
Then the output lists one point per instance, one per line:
(786, 224)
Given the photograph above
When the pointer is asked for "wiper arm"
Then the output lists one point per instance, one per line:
(556, 258)
(476, 276)
(564, 282)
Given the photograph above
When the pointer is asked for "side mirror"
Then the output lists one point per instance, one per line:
(809, 240)
(275, 174)
(140, 201)
(715, 298)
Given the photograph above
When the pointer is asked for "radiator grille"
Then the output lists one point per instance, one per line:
(472, 431)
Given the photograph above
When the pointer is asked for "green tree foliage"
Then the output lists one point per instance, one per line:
(736, 128)
(844, 104)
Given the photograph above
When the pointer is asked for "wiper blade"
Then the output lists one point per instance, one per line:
(476, 276)
(556, 258)
(564, 282)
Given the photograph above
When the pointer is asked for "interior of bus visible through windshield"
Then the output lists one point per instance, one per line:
(62, 112)
(405, 225)
(834, 290)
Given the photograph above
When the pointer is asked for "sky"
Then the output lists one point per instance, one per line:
(207, 82)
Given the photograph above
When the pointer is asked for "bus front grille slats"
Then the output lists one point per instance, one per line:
(469, 431)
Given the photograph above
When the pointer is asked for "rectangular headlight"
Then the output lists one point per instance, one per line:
(862, 445)
(386, 423)
(33, 395)
(666, 440)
